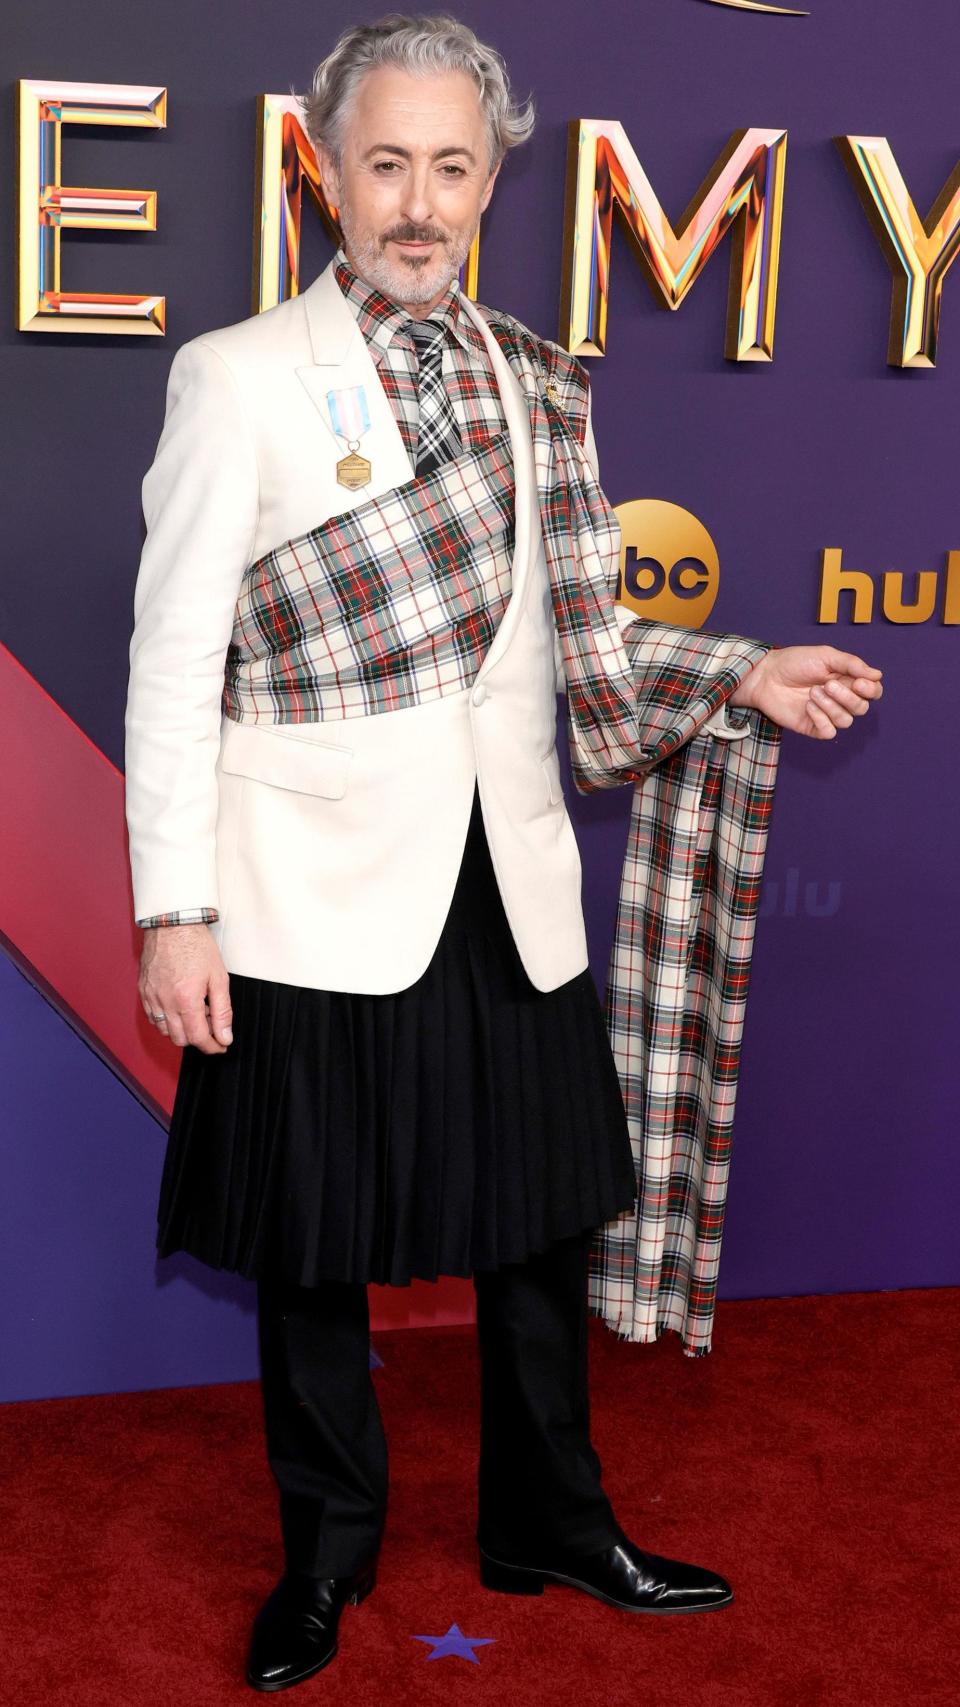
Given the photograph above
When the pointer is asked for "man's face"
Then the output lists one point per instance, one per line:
(414, 181)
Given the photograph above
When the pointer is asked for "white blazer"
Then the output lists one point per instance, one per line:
(330, 849)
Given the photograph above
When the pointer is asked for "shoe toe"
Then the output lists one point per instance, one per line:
(681, 1584)
(293, 1636)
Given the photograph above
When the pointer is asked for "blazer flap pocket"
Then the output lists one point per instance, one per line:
(286, 761)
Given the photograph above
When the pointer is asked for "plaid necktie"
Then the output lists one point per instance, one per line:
(439, 436)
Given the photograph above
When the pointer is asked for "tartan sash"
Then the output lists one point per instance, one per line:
(387, 605)
(395, 602)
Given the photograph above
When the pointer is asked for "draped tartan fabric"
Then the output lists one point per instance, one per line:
(674, 1006)
(637, 695)
(387, 605)
(339, 622)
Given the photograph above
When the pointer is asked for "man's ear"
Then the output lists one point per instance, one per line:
(488, 192)
(329, 177)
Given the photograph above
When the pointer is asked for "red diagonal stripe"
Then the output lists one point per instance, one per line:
(67, 908)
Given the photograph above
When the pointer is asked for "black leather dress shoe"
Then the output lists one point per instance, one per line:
(622, 1575)
(295, 1631)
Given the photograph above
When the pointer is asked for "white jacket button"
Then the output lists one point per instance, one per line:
(479, 694)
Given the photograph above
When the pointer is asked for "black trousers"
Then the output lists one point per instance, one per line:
(539, 1476)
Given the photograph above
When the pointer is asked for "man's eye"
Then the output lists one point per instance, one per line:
(451, 170)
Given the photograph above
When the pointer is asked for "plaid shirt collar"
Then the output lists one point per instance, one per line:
(381, 320)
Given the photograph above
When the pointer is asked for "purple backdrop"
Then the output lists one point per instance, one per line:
(846, 1165)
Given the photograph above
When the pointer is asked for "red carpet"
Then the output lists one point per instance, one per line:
(812, 1458)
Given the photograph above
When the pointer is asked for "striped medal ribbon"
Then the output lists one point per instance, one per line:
(350, 417)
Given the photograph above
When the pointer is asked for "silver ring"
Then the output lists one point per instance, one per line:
(158, 1016)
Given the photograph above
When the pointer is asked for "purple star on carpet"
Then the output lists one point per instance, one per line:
(455, 1642)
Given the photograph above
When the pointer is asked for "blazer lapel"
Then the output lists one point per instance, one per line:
(341, 359)
(526, 502)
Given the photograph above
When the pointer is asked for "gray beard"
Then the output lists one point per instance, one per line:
(406, 282)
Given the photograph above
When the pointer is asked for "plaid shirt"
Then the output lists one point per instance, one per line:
(467, 370)
(475, 396)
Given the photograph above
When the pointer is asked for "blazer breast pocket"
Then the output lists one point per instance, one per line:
(301, 763)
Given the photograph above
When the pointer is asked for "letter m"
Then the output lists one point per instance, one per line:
(743, 190)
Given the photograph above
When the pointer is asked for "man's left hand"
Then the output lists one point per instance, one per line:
(814, 690)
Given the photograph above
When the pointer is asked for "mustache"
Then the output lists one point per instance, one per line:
(408, 236)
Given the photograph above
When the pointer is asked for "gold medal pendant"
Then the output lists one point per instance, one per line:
(350, 419)
(353, 471)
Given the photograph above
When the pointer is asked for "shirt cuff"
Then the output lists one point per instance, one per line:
(183, 916)
(720, 724)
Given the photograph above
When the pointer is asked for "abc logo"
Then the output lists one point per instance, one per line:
(669, 568)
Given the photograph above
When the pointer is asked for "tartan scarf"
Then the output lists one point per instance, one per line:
(638, 693)
(333, 624)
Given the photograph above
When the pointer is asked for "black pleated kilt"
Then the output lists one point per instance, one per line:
(462, 1123)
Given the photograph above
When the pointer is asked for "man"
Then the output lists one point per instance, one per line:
(367, 936)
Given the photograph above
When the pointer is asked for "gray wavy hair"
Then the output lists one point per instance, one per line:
(418, 43)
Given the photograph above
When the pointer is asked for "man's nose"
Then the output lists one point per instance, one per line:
(417, 201)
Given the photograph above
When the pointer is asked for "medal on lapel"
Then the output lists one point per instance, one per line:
(350, 417)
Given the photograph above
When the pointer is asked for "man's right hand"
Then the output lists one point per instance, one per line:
(182, 977)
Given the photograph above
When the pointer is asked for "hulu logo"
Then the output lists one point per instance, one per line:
(929, 586)
(788, 898)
